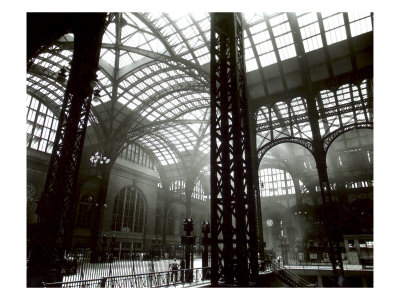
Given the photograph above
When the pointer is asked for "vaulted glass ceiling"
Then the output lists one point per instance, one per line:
(153, 73)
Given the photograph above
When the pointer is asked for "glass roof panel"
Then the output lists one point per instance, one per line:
(359, 23)
(161, 88)
(334, 28)
(109, 36)
(160, 149)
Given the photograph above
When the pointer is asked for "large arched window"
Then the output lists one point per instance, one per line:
(275, 182)
(129, 210)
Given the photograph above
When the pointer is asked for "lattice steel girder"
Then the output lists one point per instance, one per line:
(359, 105)
(54, 207)
(233, 216)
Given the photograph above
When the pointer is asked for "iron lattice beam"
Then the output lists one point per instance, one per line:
(233, 217)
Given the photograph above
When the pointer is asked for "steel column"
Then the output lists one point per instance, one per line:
(233, 216)
(256, 182)
(320, 154)
(319, 151)
(55, 204)
(97, 222)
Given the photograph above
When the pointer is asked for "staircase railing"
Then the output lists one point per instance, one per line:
(291, 278)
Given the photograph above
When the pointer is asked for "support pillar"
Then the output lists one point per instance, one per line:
(205, 228)
(55, 205)
(331, 230)
(233, 214)
(256, 180)
(320, 282)
(98, 215)
(189, 186)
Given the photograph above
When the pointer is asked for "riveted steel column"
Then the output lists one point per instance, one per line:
(233, 218)
(320, 154)
(54, 207)
(319, 151)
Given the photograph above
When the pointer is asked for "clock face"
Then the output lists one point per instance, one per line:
(270, 222)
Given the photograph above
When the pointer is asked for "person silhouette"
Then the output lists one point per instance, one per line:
(174, 268)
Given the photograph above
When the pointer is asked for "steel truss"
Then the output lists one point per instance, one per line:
(233, 218)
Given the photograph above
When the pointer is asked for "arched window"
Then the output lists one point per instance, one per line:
(275, 182)
(129, 210)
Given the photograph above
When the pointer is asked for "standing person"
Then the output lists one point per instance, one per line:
(174, 268)
(183, 266)
(269, 262)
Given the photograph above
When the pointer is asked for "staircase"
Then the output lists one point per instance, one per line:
(290, 278)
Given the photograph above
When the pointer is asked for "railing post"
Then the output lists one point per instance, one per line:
(103, 282)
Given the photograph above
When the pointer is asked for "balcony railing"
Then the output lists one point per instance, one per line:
(180, 278)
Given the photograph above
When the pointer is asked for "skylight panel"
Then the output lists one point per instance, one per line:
(190, 32)
(287, 52)
(281, 29)
(251, 65)
(284, 40)
(122, 100)
(183, 22)
(262, 26)
(252, 18)
(264, 47)
(310, 30)
(337, 35)
(205, 26)
(157, 46)
(307, 19)
(333, 21)
(176, 15)
(150, 117)
(278, 19)
(334, 28)
(249, 53)
(312, 43)
(109, 34)
(262, 115)
(260, 37)
(359, 23)
(160, 22)
(108, 56)
(124, 60)
(201, 51)
(126, 33)
(199, 16)
(188, 56)
(168, 30)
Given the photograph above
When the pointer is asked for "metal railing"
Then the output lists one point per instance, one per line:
(291, 278)
(78, 265)
(180, 278)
